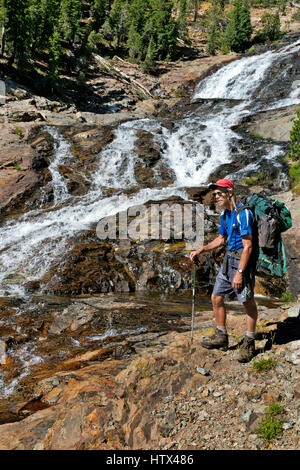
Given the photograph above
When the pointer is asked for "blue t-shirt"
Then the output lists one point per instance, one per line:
(244, 224)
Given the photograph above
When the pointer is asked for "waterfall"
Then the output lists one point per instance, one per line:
(199, 143)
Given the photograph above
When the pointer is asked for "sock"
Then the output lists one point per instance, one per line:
(222, 329)
(250, 334)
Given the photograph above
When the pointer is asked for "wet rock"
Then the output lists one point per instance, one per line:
(149, 153)
(87, 141)
(26, 116)
(275, 124)
(23, 167)
(3, 356)
(72, 318)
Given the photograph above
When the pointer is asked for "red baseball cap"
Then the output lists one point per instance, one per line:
(223, 183)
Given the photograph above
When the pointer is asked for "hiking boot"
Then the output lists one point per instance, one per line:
(247, 350)
(217, 341)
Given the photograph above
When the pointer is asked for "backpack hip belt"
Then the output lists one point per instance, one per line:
(236, 254)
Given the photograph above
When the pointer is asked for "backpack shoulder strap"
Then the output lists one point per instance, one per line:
(241, 208)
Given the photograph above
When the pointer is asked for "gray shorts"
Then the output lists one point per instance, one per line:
(223, 284)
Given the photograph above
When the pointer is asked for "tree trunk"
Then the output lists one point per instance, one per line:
(2, 41)
(13, 56)
(123, 77)
(196, 10)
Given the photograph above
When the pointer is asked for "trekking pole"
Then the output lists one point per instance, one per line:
(193, 300)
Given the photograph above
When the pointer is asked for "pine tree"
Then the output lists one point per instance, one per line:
(55, 53)
(212, 40)
(149, 62)
(44, 16)
(118, 21)
(164, 28)
(135, 43)
(239, 29)
(271, 26)
(245, 24)
(99, 10)
(69, 21)
(17, 31)
(194, 4)
(139, 31)
(182, 19)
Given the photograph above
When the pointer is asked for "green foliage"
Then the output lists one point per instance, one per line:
(264, 364)
(144, 30)
(296, 16)
(254, 179)
(17, 31)
(69, 20)
(294, 154)
(280, 4)
(2, 13)
(19, 132)
(163, 28)
(55, 53)
(94, 40)
(271, 426)
(271, 28)
(98, 12)
(287, 297)
(182, 19)
(212, 44)
(295, 138)
(149, 62)
(117, 21)
(295, 173)
(213, 23)
(152, 31)
(17, 167)
(239, 28)
(44, 16)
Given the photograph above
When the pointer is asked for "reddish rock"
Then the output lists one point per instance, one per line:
(22, 165)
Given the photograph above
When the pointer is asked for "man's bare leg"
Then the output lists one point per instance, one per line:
(219, 310)
(220, 339)
(251, 315)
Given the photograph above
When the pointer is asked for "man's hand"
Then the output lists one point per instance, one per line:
(195, 254)
(237, 280)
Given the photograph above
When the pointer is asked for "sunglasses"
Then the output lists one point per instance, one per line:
(218, 193)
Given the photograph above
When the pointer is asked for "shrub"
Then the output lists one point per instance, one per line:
(270, 426)
(287, 297)
(264, 364)
(295, 139)
(294, 172)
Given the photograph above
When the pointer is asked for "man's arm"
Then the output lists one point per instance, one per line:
(216, 243)
(247, 250)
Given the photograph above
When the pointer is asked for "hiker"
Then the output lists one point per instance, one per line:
(236, 276)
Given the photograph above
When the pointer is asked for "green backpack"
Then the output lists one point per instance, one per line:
(271, 219)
